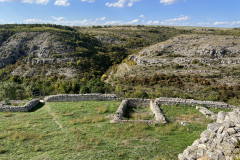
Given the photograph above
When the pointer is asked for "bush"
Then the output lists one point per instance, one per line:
(6, 101)
(195, 61)
(84, 90)
(140, 93)
(8, 90)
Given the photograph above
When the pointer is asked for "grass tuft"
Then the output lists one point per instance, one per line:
(24, 136)
(37, 148)
(8, 114)
(87, 119)
(2, 150)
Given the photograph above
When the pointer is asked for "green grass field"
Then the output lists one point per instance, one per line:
(79, 130)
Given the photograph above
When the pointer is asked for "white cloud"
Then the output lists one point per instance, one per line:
(181, 18)
(90, 1)
(122, 3)
(235, 23)
(36, 1)
(33, 21)
(1, 21)
(168, 2)
(101, 19)
(62, 3)
(220, 23)
(229, 24)
(153, 22)
(135, 21)
(28, 1)
(113, 23)
(142, 16)
(177, 21)
(59, 18)
(64, 21)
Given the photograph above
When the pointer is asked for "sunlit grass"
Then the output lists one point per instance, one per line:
(86, 133)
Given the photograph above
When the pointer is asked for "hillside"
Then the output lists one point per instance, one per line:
(134, 61)
(198, 66)
(51, 59)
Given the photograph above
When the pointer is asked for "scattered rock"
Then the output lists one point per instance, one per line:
(184, 123)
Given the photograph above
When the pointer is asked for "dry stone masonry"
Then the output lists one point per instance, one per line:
(208, 113)
(81, 97)
(25, 108)
(219, 142)
(157, 112)
(134, 102)
(192, 102)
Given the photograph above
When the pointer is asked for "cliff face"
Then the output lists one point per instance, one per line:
(40, 45)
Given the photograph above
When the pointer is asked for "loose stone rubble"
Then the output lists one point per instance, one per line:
(208, 113)
(219, 142)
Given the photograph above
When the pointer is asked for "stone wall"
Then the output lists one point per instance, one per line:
(219, 142)
(134, 102)
(171, 101)
(159, 116)
(81, 97)
(25, 108)
(121, 111)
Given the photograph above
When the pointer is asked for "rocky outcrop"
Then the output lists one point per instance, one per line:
(201, 55)
(36, 44)
(211, 49)
(214, 46)
(219, 142)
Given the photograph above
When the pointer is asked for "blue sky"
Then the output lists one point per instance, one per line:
(214, 13)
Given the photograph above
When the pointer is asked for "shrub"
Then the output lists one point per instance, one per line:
(195, 61)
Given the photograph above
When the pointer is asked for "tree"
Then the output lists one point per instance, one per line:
(8, 90)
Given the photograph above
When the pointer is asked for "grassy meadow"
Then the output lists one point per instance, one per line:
(80, 130)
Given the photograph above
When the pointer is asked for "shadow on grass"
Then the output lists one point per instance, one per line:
(40, 105)
(129, 112)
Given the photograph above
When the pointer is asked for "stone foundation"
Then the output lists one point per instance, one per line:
(192, 102)
(26, 108)
(134, 102)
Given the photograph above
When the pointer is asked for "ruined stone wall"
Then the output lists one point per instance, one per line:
(134, 102)
(81, 97)
(171, 101)
(25, 108)
(219, 142)
(159, 116)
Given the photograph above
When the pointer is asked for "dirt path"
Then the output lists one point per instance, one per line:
(55, 119)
